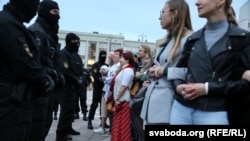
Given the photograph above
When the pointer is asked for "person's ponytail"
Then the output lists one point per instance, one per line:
(231, 16)
(230, 13)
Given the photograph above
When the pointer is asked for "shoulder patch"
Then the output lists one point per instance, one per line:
(27, 50)
(66, 65)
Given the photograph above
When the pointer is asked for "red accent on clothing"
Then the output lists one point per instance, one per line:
(121, 124)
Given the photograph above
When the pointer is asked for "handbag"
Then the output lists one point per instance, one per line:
(110, 105)
(110, 101)
(134, 89)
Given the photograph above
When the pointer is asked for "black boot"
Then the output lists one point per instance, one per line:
(85, 117)
(61, 137)
(106, 125)
(68, 137)
(76, 116)
(90, 126)
(74, 132)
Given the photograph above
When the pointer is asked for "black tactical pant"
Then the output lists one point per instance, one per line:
(57, 100)
(97, 97)
(39, 116)
(15, 117)
(67, 110)
(82, 96)
(53, 101)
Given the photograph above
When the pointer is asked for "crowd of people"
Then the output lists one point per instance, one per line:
(191, 78)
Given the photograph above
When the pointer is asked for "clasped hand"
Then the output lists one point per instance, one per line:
(191, 91)
(155, 72)
(49, 84)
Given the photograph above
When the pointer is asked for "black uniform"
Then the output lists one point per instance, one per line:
(82, 94)
(21, 74)
(73, 69)
(97, 86)
(49, 50)
(59, 67)
(55, 96)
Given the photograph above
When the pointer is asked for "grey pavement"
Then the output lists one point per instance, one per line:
(81, 126)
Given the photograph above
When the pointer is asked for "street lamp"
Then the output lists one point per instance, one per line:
(142, 38)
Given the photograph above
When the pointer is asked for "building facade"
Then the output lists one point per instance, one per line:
(244, 16)
(93, 43)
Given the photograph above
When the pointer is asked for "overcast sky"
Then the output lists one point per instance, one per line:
(132, 18)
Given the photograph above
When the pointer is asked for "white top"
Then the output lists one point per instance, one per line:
(110, 76)
(124, 78)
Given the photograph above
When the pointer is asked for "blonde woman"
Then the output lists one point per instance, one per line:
(145, 62)
(175, 18)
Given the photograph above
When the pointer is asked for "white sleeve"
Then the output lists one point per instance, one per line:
(127, 76)
(176, 73)
(206, 87)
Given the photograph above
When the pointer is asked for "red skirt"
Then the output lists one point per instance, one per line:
(121, 124)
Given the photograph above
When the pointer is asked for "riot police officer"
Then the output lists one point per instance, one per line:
(47, 21)
(97, 85)
(73, 69)
(21, 73)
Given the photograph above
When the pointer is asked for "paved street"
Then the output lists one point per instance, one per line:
(81, 126)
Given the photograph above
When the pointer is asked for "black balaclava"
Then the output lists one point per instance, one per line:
(70, 45)
(102, 56)
(44, 11)
(28, 8)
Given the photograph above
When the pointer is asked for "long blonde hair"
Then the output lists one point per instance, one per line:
(181, 23)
